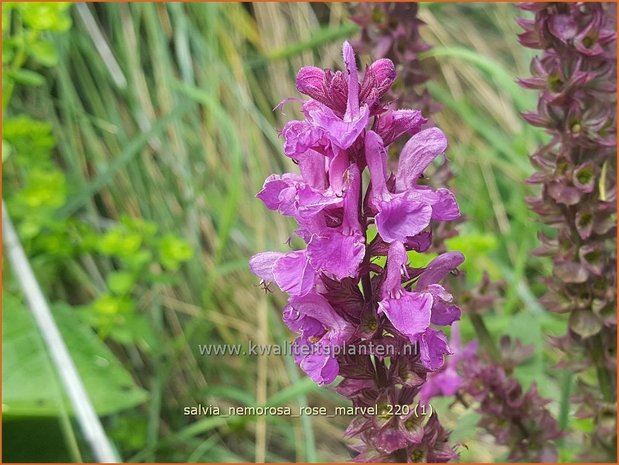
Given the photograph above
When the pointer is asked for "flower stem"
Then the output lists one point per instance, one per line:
(366, 281)
(597, 354)
(484, 337)
(564, 404)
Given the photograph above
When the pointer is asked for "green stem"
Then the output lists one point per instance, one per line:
(485, 339)
(18, 61)
(597, 354)
(157, 381)
(366, 280)
(564, 405)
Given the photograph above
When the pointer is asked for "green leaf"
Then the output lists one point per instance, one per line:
(564, 403)
(19, 434)
(29, 385)
(111, 305)
(465, 427)
(476, 248)
(31, 139)
(585, 323)
(420, 260)
(120, 282)
(7, 52)
(133, 328)
(301, 387)
(44, 189)
(26, 77)
(584, 425)
(136, 261)
(527, 328)
(7, 149)
(118, 241)
(48, 16)
(6, 16)
(44, 52)
(173, 251)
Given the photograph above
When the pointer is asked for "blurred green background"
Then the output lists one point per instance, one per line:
(135, 137)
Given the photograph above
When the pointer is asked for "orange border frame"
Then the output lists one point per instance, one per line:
(267, 1)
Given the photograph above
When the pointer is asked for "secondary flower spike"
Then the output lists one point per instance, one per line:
(575, 75)
(342, 303)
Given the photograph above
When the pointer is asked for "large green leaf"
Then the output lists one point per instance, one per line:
(29, 384)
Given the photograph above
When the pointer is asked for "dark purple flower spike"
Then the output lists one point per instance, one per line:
(575, 75)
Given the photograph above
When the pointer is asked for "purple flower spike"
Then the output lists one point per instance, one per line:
(438, 268)
(575, 76)
(379, 77)
(321, 329)
(342, 132)
(433, 348)
(291, 272)
(394, 123)
(399, 216)
(332, 283)
(311, 82)
(417, 154)
(409, 312)
(339, 251)
(447, 381)
(300, 137)
(352, 75)
(322, 368)
(291, 196)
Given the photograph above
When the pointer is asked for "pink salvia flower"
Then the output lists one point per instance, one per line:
(345, 129)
